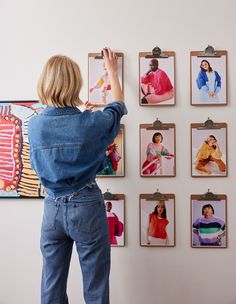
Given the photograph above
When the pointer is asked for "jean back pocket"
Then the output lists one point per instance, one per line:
(51, 209)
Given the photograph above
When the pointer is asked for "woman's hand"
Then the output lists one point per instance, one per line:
(110, 60)
(111, 66)
(88, 106)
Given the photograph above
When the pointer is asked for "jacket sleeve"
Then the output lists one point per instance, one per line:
(218, 80)
(109, 119)
(201, 82)
(196, 223)
(145, 79)
(202, 153)
(217, 153)
(162, 84)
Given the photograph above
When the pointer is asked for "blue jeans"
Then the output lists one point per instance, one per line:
(80, 218)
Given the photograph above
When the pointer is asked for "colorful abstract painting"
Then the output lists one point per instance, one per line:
(17, 178)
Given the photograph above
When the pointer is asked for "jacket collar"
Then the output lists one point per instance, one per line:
(51, 111)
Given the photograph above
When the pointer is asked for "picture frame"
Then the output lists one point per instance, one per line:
(17, 178)
(157, 220)
(209, 149)
(115, 212)
(209, 221)
(99, 87)
(208, 73)
(115, 157)
(157, 150)
(157, 79)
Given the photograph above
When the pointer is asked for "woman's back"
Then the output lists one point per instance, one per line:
(68, 147)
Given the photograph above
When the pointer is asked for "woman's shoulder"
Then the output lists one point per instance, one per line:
(216, 73)
(205, 145)
(166, 221)
(202, 73)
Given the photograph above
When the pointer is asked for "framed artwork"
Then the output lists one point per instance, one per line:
(209, 149)
(208, 221)
(157, 220)
(208, 78)
(157, 79)
(99, 91)
(157, 150)
(17, 178)
(115, 212)
(115, 155)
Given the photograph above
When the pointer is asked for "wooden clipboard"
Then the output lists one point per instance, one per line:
(210, 199)
(208, 55)
(99, 56)
(158, 126)
(122, 154)
(108, 196)
(212, 128)
(156, 197)
(166, 55)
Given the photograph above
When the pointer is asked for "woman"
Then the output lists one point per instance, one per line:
(209, 152)
(103, 85)
(113, 158)
(157, 224)
(155, 151)
(67, 149)
(115, 226)
(208, 82)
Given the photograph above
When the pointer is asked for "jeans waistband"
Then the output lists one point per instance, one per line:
(90, 186)
(69, 196)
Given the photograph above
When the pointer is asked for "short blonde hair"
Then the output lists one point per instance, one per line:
(60, 83)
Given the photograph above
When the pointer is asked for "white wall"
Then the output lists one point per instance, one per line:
(30, 32)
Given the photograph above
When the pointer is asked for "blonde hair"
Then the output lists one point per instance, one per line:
(60, 83)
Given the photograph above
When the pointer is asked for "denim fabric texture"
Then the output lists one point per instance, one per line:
(68, 147)
(78, 218)
(67, 150)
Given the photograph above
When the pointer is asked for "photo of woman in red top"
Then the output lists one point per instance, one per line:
(157, 219)
(115, 226)
(157, 224)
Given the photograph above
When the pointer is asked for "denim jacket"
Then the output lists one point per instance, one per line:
(68, 147)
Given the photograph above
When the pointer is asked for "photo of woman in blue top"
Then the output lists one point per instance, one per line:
(208, 82)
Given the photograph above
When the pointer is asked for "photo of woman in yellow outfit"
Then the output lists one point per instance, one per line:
(209, 151)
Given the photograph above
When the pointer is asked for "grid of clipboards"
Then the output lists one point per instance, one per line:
(208, 78)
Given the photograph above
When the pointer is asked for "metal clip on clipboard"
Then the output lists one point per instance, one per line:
(157, 196)
(100, 56)
(209, 124)
(108, 196)
(157, 53)
(208, 196)
(209, 52)
(158, 125)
